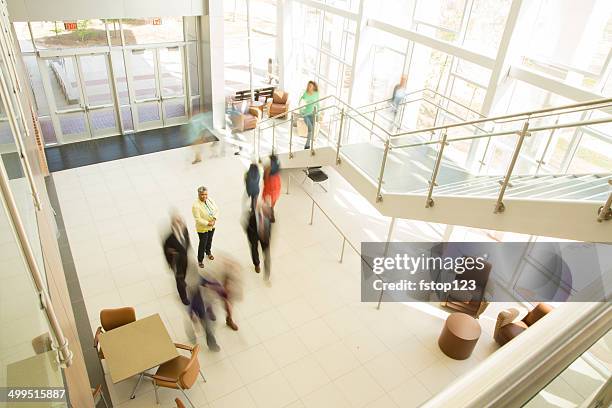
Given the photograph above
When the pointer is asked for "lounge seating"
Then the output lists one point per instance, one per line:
(472, 302)
(280, 104)
(506, 328)
(244, 117)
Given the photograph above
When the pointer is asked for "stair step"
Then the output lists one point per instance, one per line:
(586, 192)
(555, 188)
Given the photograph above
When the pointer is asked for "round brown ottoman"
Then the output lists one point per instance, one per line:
(459, 336)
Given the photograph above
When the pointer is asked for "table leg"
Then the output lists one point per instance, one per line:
(136, 387)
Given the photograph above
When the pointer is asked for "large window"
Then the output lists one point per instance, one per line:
(149, 64)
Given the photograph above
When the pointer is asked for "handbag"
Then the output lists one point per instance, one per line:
(300, 127)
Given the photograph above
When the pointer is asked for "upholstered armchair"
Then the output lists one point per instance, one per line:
(506, 328)
(280, 104)
(244, 117)
(472, 302)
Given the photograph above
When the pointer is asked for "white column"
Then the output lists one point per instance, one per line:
(212, 57)
(284, 40)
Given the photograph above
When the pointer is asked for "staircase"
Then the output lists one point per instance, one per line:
(419, 174)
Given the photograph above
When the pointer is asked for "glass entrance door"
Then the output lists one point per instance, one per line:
(99, 101)
(82, 95)
(172, 83)
(69, 112)
(147, 97)
(158, 85)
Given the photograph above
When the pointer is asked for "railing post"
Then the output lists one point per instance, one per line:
(342, 252)
(290, 139)
(339, 141)
(311, 212)
(382, 171)
(605, 212)
(499, 205)
(429, 202)
(288, 182)
(373, 121)
(541, 162)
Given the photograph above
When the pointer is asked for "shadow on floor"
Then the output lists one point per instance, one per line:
(94, 151)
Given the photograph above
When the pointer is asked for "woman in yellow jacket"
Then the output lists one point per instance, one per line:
(205, 213)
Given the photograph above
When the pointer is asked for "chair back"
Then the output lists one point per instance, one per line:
(42, 344)
(190, 374)
(280, 97)
(179, 403)
(112, 318)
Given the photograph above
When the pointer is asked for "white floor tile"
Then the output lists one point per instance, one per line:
(328, 396)
(221, 379)
(269, 324)
(286, 348)
(410, 393)
(253, 363)
(359, 387)
(272, 391)
(387, 370)
(305, 375)
(316, 334)
(336, 359)
(239, 398)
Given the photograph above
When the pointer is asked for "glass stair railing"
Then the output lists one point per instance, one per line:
(510, 152)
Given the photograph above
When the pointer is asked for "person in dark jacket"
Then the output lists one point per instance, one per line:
(258, 229)
(175, 247)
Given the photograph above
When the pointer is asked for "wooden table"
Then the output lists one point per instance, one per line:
(137, 347)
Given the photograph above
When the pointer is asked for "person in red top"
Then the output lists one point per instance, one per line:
(272, 184)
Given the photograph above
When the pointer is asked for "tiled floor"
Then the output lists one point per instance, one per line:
(306, 341)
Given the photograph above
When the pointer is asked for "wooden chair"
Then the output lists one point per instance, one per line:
(111, 319)
(179, 403)
(179, 373)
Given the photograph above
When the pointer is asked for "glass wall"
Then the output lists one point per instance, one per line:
(263, 44)
(84, 64)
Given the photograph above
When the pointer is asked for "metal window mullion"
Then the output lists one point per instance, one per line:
(186, 80)
(158, 85)
(113, 83)
(44, 75)
(83, 93)
(129, 85)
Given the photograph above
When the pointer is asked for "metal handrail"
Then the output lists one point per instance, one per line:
(518, 116)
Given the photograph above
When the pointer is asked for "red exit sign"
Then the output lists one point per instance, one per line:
(70, 25)
(157, 21)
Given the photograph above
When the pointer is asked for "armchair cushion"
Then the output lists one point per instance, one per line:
(280, 97)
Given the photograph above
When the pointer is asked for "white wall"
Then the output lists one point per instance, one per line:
(46, 10)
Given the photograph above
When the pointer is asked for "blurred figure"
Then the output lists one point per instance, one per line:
(196, 134)
(309, 110)
(175, 247)
(272, 184)
(205, 213)
(251, 182)
(223, 280)
(202, 310)
(259, 231)
(399, 93)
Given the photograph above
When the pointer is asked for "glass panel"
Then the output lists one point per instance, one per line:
(152, 30)
(96, 79)
(143, 70)
(23, 37)
(72, 123)
(171, 66)
(592, 156)
(126, 118)
(486, 25)
(47, 129)
(103, 121)
(120, 76)
(174, 108)
(40, 98)
(148, 112)
(114, 30)
(69, 34)
(195, 105)
(64, 82)
(329, 68)
(442, 13)
(192, 60)
(473, 72)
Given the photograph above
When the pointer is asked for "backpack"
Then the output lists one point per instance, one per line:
(274, 164)
(251, 180)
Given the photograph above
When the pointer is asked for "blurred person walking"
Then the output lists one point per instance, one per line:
(205, 213)
(176, 247)
(223, 280)
(399, 93)
(309, 110)
(272, 184)
(251, 182)
(259, 232)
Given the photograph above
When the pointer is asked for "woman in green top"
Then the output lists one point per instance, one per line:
(309, 111)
